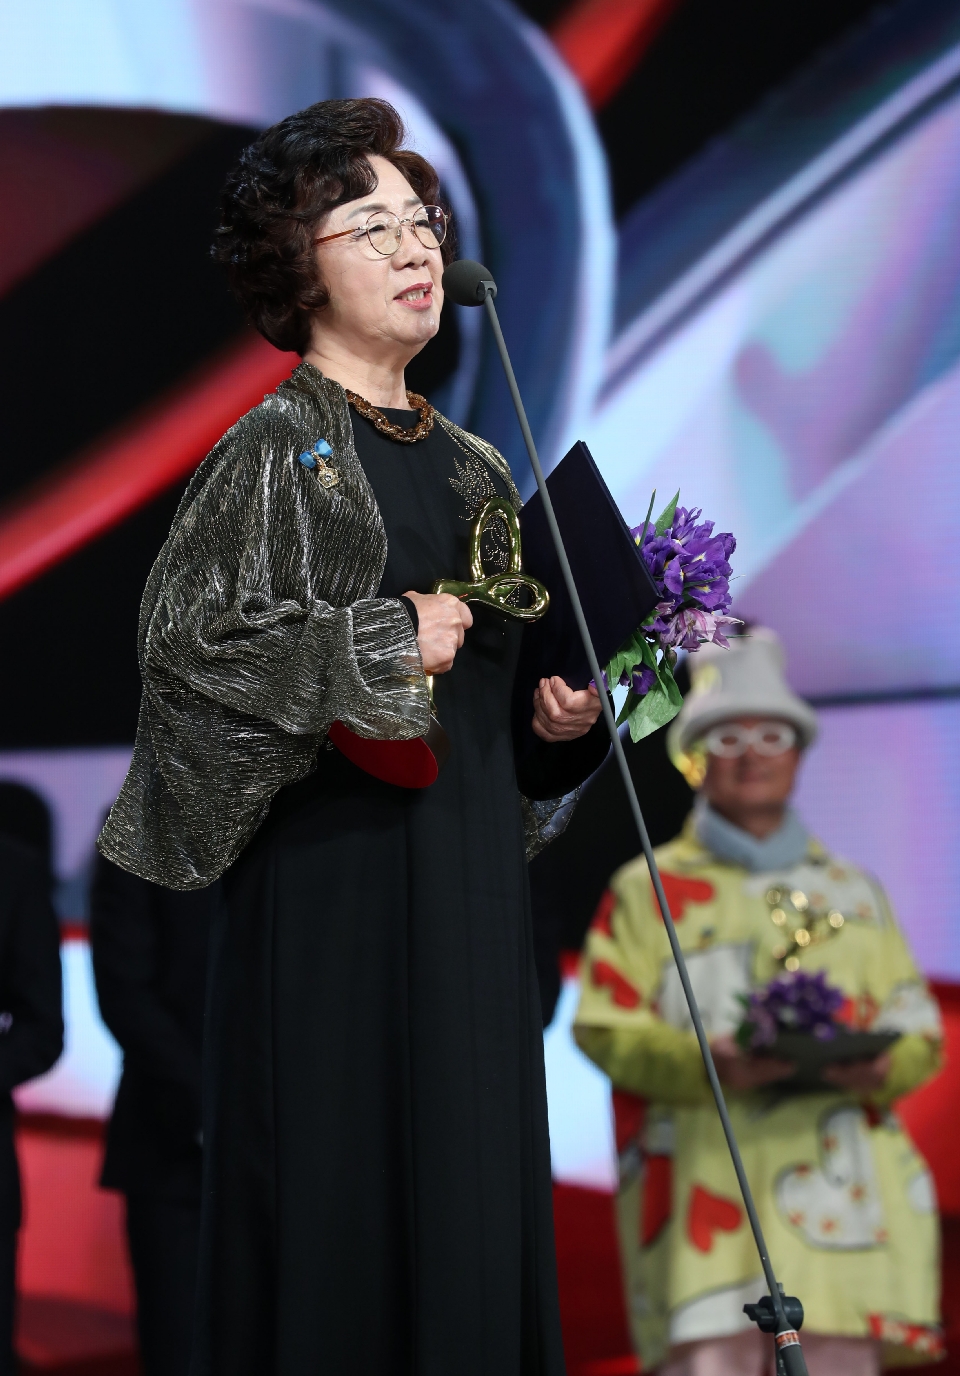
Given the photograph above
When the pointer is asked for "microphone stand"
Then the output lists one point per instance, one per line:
(471, 284)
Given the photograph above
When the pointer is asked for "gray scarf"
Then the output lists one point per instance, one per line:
(783, 849)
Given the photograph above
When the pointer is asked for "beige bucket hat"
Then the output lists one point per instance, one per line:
(745, 681)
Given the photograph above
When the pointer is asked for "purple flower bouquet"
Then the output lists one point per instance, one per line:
(690, 567)
(795, 1018)
(798, 1003)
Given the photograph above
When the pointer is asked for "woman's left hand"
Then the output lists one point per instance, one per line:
(561, 713)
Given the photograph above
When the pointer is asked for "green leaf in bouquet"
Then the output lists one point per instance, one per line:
(661, 704)
(629, 655)
(646, 520)
(653, 710)
(665, 519)
(664, 672)
(629, 705)
(648, 656)
(670, 685)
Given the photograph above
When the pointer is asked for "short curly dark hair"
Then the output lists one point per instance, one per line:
(284, 183)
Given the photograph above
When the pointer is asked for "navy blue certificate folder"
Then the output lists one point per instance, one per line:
(615, 586)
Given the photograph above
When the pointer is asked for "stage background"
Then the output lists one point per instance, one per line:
(727, 242)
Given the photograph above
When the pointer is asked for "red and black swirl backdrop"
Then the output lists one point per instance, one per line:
(124, 355)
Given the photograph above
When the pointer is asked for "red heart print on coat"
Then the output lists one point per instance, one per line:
(602, 917)
(622, 991)
(710, 1213)
(681, 890)
(657, 1198)
(629, 1112)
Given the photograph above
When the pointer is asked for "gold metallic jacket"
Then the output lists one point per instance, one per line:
(260, 626)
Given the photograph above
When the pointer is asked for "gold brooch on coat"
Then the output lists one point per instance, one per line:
(811, 925)
(315, 460)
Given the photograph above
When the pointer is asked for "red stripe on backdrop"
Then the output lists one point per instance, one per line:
(80, 499)
(74, 931)
(603, 40)
(569, 964)
(932, 1112)
(76, 501)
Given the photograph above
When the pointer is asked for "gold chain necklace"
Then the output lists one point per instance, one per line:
(387, 427)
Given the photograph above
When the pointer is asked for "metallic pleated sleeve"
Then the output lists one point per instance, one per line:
(544, 821)
(260, 627)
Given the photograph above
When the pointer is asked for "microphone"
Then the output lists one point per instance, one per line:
(467, 283)
(471, 284)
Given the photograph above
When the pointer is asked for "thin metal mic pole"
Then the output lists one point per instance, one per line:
(783, 1326)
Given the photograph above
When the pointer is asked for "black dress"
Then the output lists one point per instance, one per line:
(377, 1192)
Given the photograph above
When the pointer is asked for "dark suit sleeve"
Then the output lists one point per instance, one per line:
(551, 769)
(31, 990)
(124, 941)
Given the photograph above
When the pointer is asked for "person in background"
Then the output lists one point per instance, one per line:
(31, 1021)
(149, 948)
(25, 817)
(846, 1202)
(568, 877)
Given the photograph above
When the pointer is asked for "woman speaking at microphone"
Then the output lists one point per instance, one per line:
(377, 1176)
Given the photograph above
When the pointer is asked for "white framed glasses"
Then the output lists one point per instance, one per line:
(385, 230)
(730, 740)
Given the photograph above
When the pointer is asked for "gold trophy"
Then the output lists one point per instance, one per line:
(416, 763)
(495, 590)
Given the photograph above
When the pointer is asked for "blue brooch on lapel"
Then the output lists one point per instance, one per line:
(315, 460)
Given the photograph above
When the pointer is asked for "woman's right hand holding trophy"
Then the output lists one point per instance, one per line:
(443, 621)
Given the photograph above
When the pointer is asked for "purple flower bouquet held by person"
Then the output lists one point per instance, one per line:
(797, 1003)
(690, 566)
(802, 1019)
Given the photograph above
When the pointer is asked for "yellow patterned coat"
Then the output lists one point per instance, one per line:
(845, 1199)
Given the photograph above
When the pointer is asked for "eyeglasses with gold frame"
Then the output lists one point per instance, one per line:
(384, 229)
